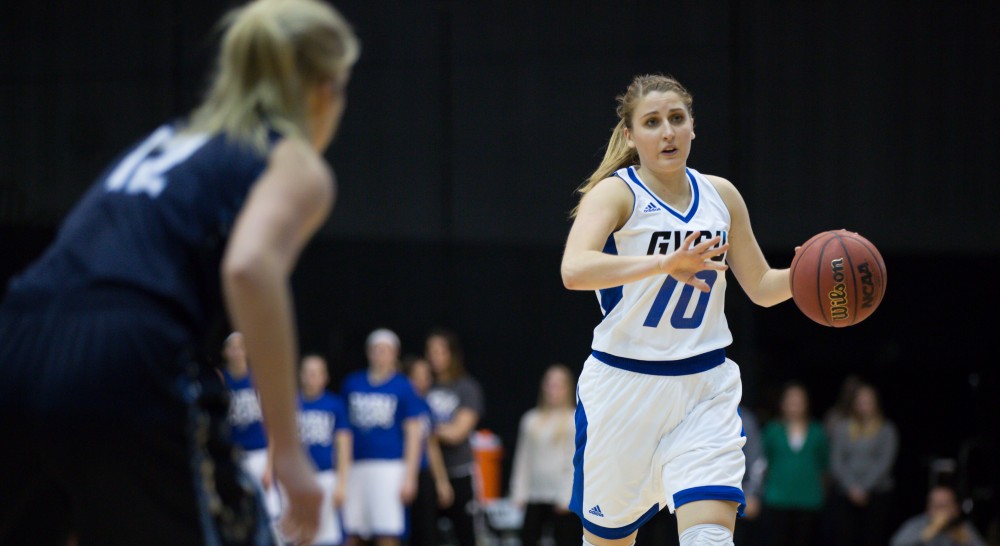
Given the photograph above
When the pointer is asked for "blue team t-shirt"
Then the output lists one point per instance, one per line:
(319, 421)
(377, 412)
(245, 419)
(427, 427)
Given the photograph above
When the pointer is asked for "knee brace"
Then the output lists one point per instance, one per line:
(706, 534)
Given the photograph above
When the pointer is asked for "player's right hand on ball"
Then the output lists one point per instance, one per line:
(298, 477)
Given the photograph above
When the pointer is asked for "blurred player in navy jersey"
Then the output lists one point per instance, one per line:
(113, 433)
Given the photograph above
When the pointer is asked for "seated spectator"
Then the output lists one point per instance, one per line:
(941, 524)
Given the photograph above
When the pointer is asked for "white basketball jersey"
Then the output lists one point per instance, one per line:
(657, 318)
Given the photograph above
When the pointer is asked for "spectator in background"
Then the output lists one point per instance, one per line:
(864, 448)
(246, 420)
(542, 475)
(433, 487)
(941, 525)
(384, 413)
(797, 454)
(326, 433)
(748, 527)
(841, 409)
(456, 400)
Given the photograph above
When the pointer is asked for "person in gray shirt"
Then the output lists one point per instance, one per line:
(863, 450)
(456, 400)
(940, 525)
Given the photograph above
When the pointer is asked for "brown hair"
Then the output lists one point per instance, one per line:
(456, 366)
(618, 155)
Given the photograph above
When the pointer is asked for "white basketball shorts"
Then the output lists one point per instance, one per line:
(648, 441)
(328, 533)
(254, 463)
(373, 507)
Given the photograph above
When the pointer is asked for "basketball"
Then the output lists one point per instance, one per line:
(838, 278)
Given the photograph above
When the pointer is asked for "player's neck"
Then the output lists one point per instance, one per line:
(377, 376)
(673, 187)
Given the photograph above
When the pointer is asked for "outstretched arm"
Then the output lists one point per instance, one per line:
(602, 211)
(285, 207)
(765, 286)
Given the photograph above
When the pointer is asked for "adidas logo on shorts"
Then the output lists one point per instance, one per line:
(596, 510)
(651, 208)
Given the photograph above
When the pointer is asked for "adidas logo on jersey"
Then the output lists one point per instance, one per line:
(651, 208)
(596, 510)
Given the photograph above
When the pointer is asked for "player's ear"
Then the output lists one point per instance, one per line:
(628, 138)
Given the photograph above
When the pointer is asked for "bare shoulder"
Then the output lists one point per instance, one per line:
(726, 188)
(296, 160)
(611, 191)
(730, 195)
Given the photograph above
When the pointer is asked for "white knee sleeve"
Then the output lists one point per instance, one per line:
(706, 534)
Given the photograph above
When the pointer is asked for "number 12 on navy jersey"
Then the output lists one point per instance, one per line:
(143, 170)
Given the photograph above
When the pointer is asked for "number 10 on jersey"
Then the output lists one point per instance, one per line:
(678, 318)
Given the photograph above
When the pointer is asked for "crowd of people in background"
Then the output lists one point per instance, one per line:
(395, 459)
(392, 445)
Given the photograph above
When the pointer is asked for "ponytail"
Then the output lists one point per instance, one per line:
(271, 52)
(617, 156)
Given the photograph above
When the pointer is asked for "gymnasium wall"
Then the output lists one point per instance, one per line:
(470, 124)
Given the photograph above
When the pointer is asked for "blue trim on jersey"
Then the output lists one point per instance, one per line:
(576, 500)
(610, 296)
(614, 533)
(743, 431)
(694, 192)
(685, 366)
(711, 492)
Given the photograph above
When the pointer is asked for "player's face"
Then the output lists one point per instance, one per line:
(420, 377)
(235, 352)
(313, 376)
(865, 404)
(326, 107)
(661, 132)
(555, 388)
(439, 354)
(794, 404)
(383, 356)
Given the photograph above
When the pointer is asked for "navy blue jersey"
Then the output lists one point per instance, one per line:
(245, 416)
(377, 413)
(319, 421)
(155, 224)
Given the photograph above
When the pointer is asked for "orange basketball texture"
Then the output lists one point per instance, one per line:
(838, 278)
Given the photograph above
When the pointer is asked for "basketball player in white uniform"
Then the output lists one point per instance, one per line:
(657, 422)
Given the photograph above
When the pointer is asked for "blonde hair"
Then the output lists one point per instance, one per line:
(272, 51)
(618, 155)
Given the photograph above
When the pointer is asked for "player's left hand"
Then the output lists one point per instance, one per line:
(445, 494)
(409, 490)
(339, 495)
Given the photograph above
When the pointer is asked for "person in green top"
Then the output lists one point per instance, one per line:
(797, 453)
